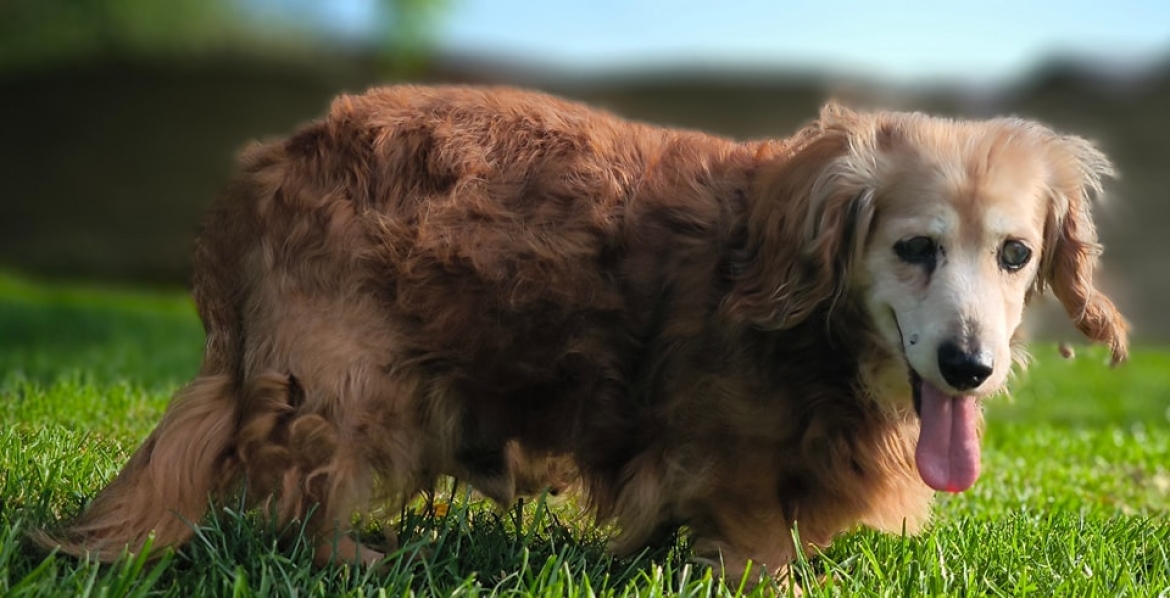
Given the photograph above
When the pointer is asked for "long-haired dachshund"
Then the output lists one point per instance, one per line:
(516, 290)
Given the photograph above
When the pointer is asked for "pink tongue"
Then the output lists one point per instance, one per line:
(948, 445)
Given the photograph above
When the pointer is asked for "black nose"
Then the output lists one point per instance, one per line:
(964, 368)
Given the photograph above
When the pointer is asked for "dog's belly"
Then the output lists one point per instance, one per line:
(570, 398)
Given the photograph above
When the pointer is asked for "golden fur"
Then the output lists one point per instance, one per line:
(517, 290)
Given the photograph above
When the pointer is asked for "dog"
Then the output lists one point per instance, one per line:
(516, 291)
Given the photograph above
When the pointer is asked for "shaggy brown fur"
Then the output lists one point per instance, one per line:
(505, 287)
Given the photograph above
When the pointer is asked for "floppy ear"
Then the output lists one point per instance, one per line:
(808, 216)
(1071, 248)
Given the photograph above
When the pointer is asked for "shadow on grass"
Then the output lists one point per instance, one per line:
(531, 548)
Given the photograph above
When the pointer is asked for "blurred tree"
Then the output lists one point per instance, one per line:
(408, 30)
(36, 32)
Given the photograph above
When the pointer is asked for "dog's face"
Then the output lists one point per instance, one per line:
(953, 251)
(965, 220)
(941, 230)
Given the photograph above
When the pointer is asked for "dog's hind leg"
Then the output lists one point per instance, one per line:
(347, 493)
(328, 452)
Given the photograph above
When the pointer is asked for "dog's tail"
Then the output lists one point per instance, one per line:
(165, 488)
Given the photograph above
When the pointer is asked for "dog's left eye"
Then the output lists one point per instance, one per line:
(1014, 255)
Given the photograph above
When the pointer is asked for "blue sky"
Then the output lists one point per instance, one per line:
(907, 41)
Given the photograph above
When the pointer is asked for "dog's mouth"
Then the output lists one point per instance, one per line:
(948, 452)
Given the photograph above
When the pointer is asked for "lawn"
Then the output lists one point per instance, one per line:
(1073, 500)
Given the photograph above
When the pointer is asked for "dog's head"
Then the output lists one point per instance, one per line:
(942, 230)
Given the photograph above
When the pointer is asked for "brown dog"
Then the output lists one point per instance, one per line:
(499, 285)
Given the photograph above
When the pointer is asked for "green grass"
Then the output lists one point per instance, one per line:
(1073, 500)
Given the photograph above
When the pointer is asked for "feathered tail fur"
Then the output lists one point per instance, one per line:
(166, 486)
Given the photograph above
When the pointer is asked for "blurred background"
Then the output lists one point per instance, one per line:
(120, 118)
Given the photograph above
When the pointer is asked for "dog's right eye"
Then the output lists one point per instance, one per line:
(916, 250)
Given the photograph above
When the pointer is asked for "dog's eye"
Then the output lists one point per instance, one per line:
(1014, 255)
(916, 250)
